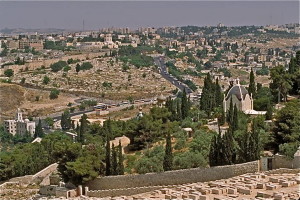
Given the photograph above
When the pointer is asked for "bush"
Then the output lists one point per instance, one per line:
(46, 80)
(55, 67)
(54, 94)
(9, 72)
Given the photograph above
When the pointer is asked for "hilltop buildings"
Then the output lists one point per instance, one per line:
(19, 126)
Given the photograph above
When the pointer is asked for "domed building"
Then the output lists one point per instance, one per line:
(240, 97)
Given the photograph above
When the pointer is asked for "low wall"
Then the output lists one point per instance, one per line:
(175, 177)
(36, 178)
(123, 191)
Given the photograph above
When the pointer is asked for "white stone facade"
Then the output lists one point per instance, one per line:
(19, 126)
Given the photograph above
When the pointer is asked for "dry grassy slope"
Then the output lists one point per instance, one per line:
(14, 96)
(11, 96)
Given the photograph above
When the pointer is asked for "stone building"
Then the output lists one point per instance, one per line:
(19, 126)
(239, 96)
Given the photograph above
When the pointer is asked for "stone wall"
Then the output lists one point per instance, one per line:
(36, 178)
(123, 191)
(280, 161)
(175, 177)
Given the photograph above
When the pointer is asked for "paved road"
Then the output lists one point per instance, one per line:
(160, 62)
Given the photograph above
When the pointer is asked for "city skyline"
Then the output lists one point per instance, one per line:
(96, 15)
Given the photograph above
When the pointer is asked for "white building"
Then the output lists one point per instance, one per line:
(19, 126)
(239, 97)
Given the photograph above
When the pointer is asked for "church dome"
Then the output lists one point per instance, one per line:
(238, 90)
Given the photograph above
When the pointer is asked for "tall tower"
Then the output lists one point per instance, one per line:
(19, 116)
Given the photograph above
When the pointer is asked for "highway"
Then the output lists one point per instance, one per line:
(160, 62)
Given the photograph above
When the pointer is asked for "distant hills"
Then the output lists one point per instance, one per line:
(28, 30)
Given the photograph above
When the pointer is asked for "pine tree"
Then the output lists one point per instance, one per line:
(39, 132)
(120, 160)
(252, 87)
(107, 155)
(184, 105)
(114, 161)
(168, 158)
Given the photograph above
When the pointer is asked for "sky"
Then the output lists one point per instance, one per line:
(133, 14)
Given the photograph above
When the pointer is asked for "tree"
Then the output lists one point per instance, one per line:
(281, 83)
(83, 128)
(114, 161)
(65, 121)
(77, 67)
(252, 86)
(49, 121)
(184, 105)
(54, 93)
(46, 80)
(230, 113)
(287, 126)
(120, 160)
(234, 123)
(39, 132)
(168, 158)
(269, 113)
(9, 72)
(55, 67)
(218, 93)
(107, 155)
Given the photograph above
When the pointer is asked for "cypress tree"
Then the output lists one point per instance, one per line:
(65, 120)
(218, 93)
(213, 152)
(234, 123)
(120, 160)
(227, 148)
(207, 96)
(179, 115)
(184, 105)
(269, 113)
(230, 111)
(83, 128)
(114, 161)
(252, 87)
(168, 158)
(107, 155)
(39, 132)
(292, 65)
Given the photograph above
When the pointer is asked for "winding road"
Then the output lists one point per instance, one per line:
(160, 62)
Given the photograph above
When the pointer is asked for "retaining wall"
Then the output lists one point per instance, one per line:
(175, 177)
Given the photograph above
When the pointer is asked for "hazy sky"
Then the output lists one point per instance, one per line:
(70, 15)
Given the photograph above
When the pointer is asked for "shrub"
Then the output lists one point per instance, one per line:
(9, 72)
(54, 94)
(55, 67)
